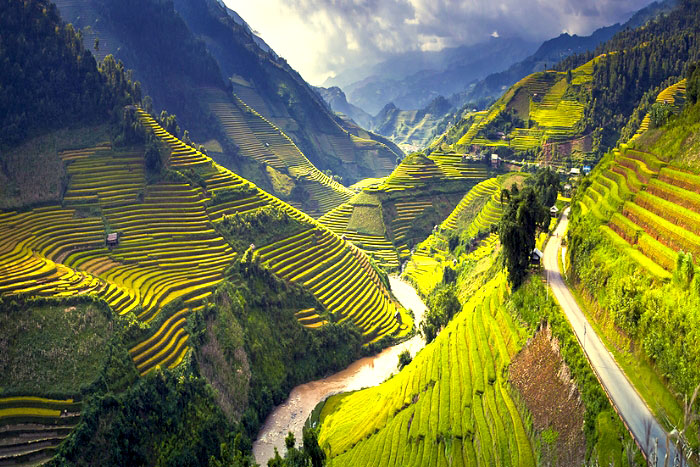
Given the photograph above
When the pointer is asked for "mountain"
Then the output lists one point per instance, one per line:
(207, 56)
(552, 52)
(578, 111)
(412, 80)
(154, 305)
(412, 129)
(336, 99)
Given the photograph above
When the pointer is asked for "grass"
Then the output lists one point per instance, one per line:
(439, 387)
(633, 361)
(33, 173)
(52, 347)
(367, 220)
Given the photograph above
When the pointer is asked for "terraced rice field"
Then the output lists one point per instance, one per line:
(168, 248)
(406, 213)
(412, 174)
(486, 188)
(260, 139)
(488, 216)
(540, 98)
(378, 247)
(451, 406)
(427, 263)
(673, 95)
(32, 427)
(341, 279)
(310, 318)
(647, 209)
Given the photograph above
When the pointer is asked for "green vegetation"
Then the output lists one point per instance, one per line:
(262, 140)
(76, 333)
(526, 212)
(78, 93)
(451, 401)
(635, 271)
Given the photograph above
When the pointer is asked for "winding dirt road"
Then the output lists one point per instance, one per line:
(648, 433)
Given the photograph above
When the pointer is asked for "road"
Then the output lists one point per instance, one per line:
(635, 413)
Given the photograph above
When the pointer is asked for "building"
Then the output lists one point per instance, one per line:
(495, 161)
(554, 211)
(113, 239)
(536, 257)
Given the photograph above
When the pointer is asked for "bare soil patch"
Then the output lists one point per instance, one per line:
(544, 381)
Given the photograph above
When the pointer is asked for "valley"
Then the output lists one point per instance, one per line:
(201, 263)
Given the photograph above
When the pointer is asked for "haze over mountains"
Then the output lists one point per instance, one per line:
(468, 74)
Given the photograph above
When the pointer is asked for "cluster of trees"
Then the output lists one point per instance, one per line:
(260, 226)
(526, 212)
(443, 304)
(48, 79)
(504, 122)
(637, 60)
(693, 84)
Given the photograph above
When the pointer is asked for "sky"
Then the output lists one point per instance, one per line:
(321, 38)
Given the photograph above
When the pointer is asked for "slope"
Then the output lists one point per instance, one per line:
(635, 223)
(451, 402)
(257, 76)
(387, 219)
(575, 114)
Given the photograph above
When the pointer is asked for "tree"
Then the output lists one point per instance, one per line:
(444, 304)
(523, 215)
(404, 359)
(547, 185)
(693, 84)
(154, 163)
(311, 448)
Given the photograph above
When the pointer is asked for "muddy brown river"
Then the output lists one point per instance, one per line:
(366, 372)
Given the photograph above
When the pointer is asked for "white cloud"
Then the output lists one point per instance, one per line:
(323, 37)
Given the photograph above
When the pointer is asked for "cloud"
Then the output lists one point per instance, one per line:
(321, 38)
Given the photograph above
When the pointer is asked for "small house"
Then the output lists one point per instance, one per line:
(586, 169)
(553, 211)
(567, 188)
(495, 160)
(536, 257)
(575, 171)
(113, 239)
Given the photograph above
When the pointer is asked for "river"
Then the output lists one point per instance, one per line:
(365, 372)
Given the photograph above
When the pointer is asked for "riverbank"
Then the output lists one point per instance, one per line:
(365, 372)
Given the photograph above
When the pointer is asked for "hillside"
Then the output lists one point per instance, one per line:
(162, 301)
(537, 116)
(456, 402)
(387, 219)
(552, 52)
(171, 229)
(138, 275)
(573, 114)
(635, 229)
(411, 129)
(206, 48)
(338, 101)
